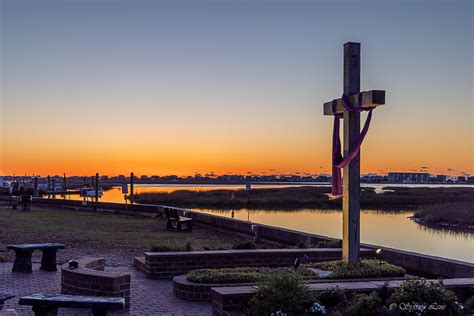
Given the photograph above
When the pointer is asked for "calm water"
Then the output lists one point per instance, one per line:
(382, 228)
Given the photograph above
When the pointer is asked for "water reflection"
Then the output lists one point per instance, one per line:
(391, 229)
(440, 230)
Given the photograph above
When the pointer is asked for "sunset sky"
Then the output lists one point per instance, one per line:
(178, 87)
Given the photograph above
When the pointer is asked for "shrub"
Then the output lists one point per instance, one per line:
(284, 292)
(331, 297)
(469, 303)
(426, 294)
(242, 274)
(384, 292)
(245, 245)
(365, 268)
(364, 305)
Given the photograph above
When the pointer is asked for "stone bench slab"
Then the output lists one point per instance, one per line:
(38, 246)
(5, 296)
(73, 301)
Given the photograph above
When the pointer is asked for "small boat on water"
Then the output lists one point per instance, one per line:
(86, 192)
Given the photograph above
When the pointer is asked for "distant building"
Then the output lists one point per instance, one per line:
(441, 178)
(401, 177)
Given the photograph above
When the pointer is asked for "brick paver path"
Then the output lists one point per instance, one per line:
(148, 297)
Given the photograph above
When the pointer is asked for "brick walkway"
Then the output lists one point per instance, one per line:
(148, 297)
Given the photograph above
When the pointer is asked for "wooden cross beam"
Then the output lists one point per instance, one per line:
(368, 99)
(351, 172)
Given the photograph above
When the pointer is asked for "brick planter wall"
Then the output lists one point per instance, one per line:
(191, 291)
(163, 265)
(91, 279)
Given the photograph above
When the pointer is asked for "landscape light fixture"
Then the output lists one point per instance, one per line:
(378, 254)
(73, 264)
(299, 261)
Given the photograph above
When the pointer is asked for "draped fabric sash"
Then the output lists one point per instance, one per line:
(338, 161)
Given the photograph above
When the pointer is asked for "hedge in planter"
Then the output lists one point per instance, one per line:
(366, 268)
(243, 274)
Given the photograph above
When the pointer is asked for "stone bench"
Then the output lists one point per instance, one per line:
(89, 278)
(48, 304)
(230, 300)
(23, 254)
(163, 265)
(3, 297)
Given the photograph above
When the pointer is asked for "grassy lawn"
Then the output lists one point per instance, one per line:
(103, 231)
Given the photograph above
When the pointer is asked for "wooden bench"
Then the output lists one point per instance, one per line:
(176, 222)
(3, 297)
(23, 254)
(48, 304)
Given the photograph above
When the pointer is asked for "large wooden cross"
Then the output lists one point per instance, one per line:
(351, 173)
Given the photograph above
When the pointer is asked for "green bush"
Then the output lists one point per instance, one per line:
(282, 292)
(428, 295)
(366, 268)
(242, 274)
(469, 303)
(384, 292)
(364, 305)
(331, 297)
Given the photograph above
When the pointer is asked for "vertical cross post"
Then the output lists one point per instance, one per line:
(97, 187)
(351, 173)
(132, 198)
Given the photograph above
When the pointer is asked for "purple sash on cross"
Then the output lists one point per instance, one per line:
(338, 161)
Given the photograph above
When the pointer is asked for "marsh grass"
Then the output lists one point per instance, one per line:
(457, 214)
(392, 199)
